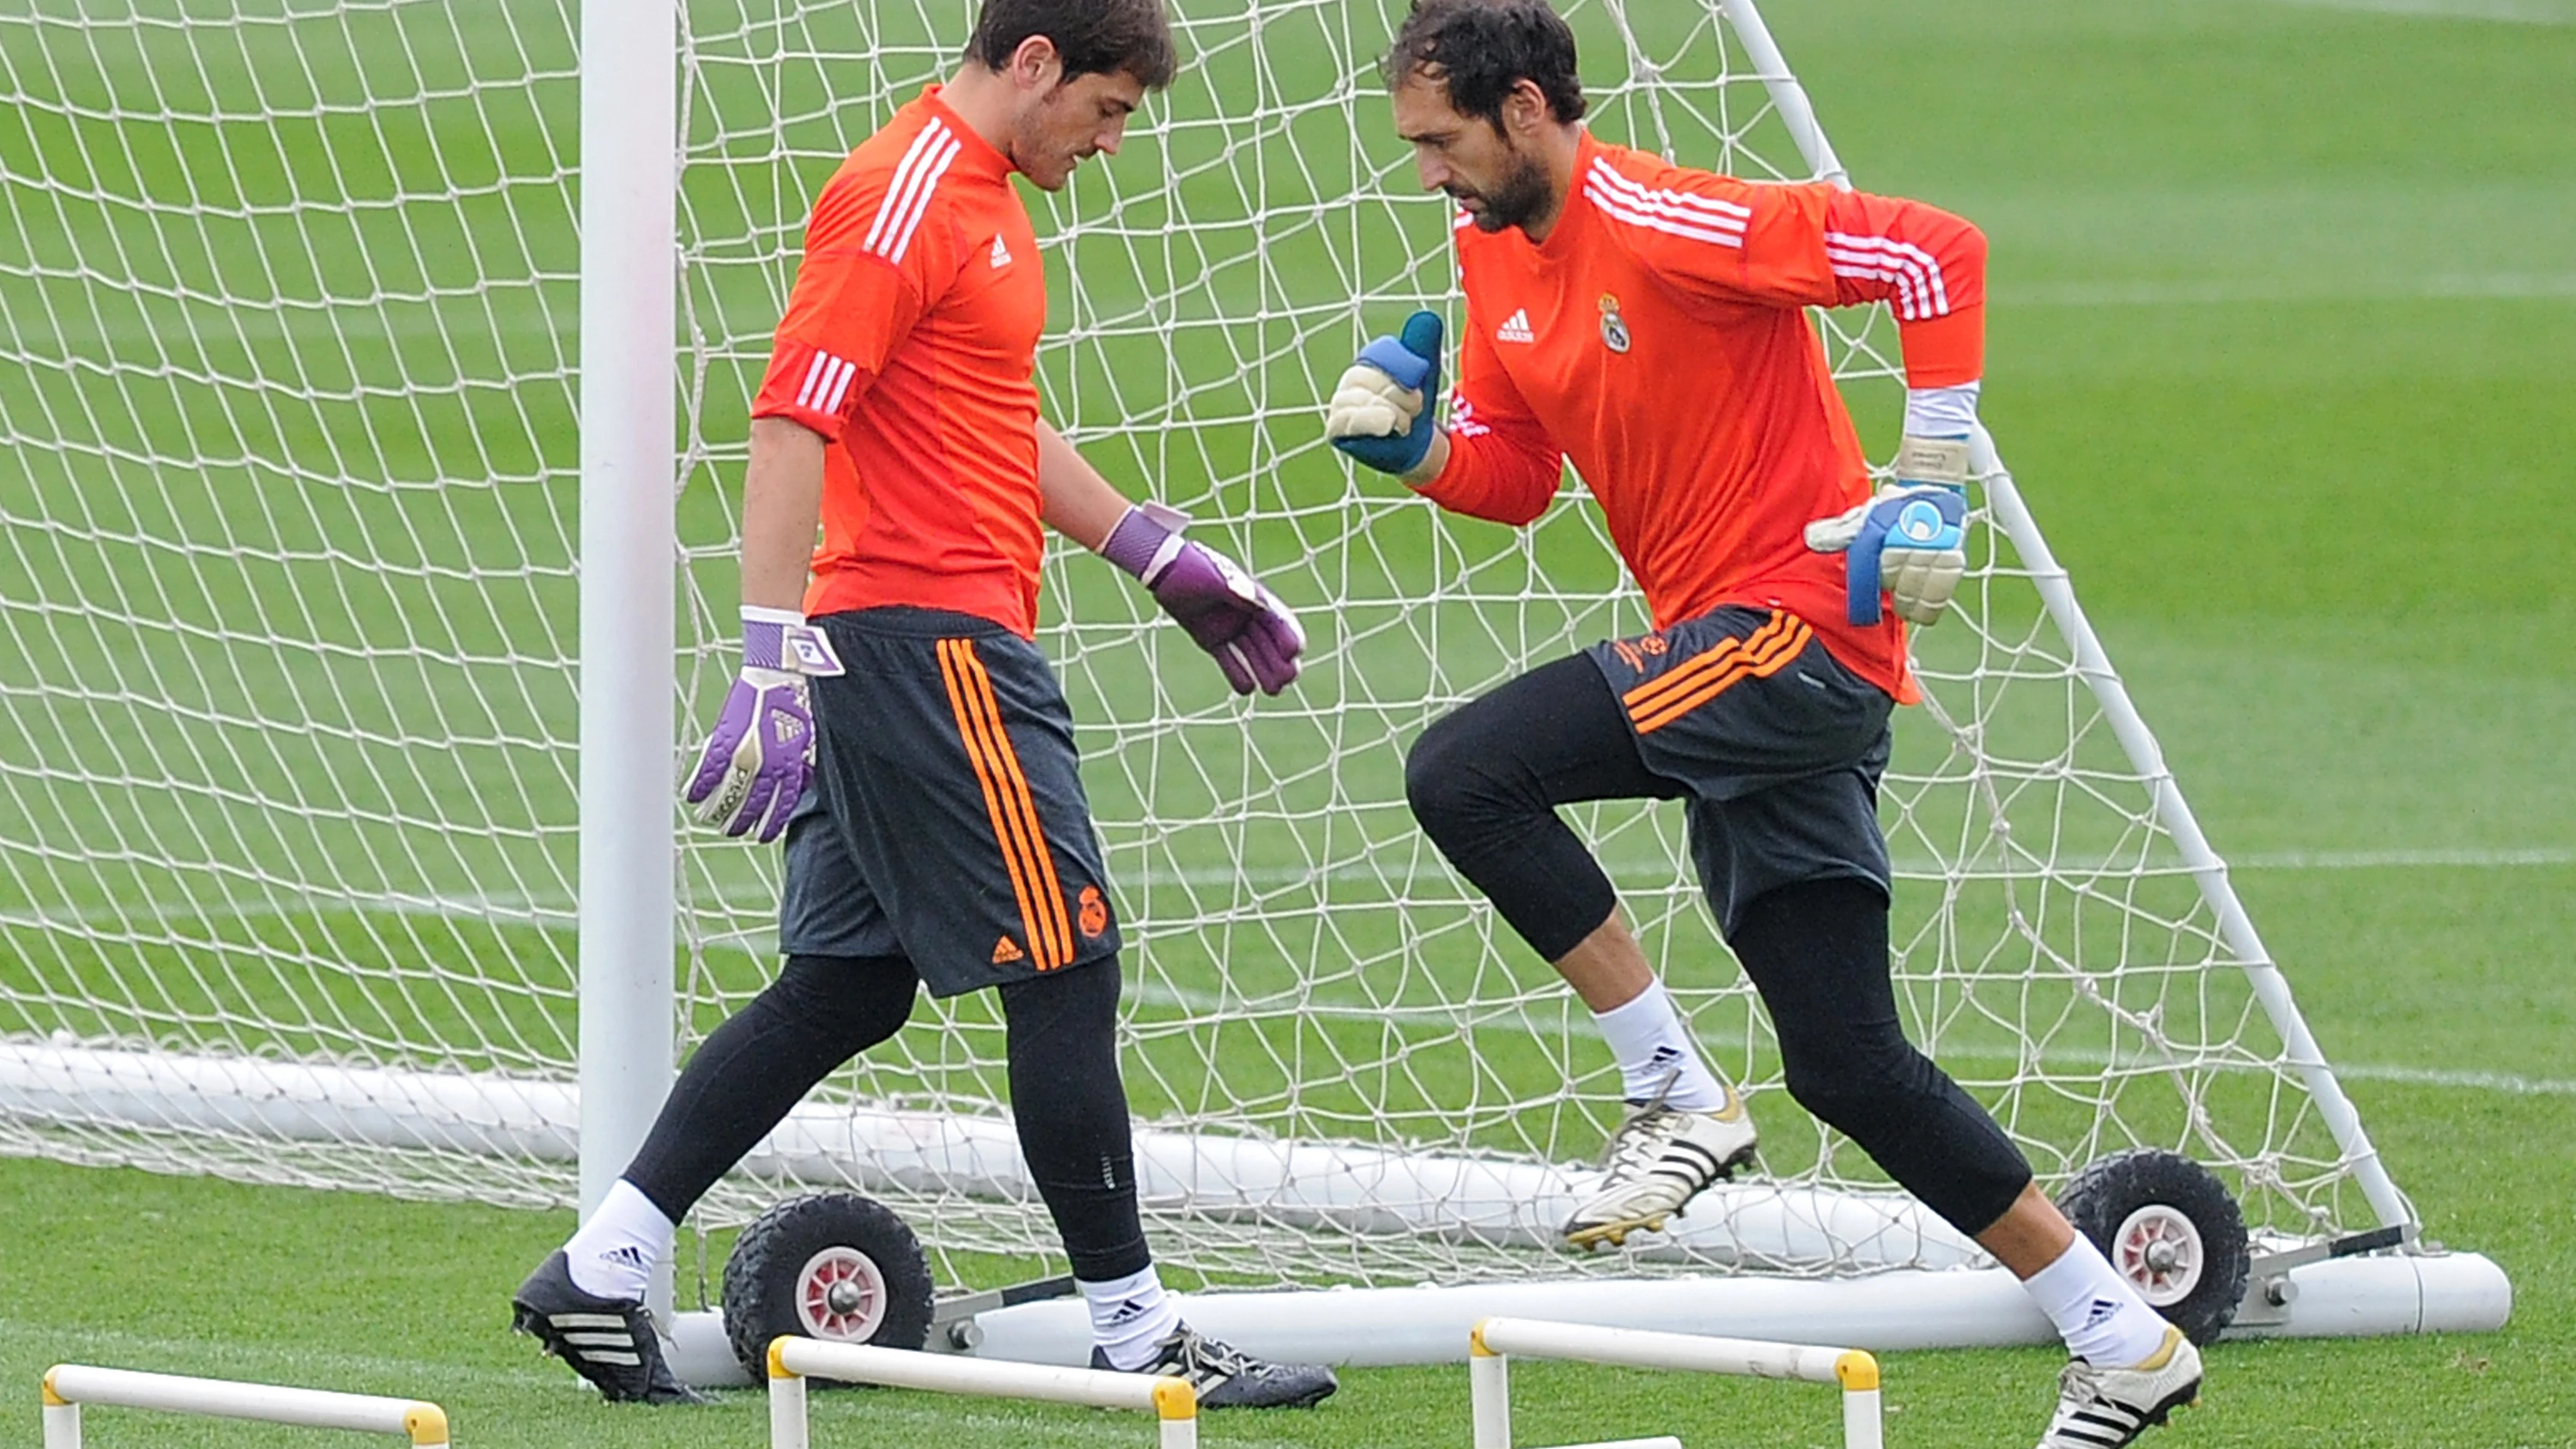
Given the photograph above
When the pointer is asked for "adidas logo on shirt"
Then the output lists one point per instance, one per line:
(1516, 328)
(1001, 254)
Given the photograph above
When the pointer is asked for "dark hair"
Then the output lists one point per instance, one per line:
(1093, 37)
(1481, 49)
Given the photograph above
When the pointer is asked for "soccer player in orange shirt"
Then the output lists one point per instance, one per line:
(1648, 323)
(894, 716)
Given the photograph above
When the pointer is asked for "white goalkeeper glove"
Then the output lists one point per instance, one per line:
(1909, 543)
(1381, 413)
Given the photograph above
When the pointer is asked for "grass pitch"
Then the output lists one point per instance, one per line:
(2285, 301)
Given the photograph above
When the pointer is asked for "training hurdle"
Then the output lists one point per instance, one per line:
(792, 1360)
(1495, 1339)
(70, 1385)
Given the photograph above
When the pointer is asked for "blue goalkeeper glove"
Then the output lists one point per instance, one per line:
(1381, 411)
(1909, 543)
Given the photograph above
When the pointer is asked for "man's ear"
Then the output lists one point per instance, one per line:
(1036, 65)
(1524, 109)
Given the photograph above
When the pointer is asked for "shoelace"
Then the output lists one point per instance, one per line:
(1202, 1359)
(1641, 1139)
(2078, 1378)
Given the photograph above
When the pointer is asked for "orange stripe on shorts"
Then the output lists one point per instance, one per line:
(955, 655)
(1761, 654)
(1042, 911)
(1708, 661)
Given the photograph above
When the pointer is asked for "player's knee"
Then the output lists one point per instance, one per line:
(1831, 1099)
(1449, 783)
(1432, 776)
(1860, 1089)
(1080, 1002)
(851, 1002)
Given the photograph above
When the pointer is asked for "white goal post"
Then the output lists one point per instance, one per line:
(363, 608)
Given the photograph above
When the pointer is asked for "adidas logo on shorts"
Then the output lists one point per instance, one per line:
(1007, 951)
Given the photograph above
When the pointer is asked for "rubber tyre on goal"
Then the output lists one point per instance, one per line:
(833, 1266)
(2170, 1227)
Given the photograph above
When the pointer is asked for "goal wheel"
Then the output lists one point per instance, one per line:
(834, 1266)
(2169, 1226)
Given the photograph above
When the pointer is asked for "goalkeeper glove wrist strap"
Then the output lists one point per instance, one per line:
(1146, 540)
(782, 640)
(1933, 460)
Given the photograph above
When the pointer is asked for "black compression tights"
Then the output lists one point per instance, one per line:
(747, 1074)
(1061, 1040)
(1485, 781)
(1072, 1115)
(1817, 951)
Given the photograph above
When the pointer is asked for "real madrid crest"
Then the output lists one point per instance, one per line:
(1614, 328)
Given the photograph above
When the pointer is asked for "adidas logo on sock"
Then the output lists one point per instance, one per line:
(1516, 328)
(1127, 1312)
(628, 1256)
(2102, 1312)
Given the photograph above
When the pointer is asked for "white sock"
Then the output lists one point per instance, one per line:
(1647, 1037)
(2097, 1312)
(1129, 1316)
(614, 1253)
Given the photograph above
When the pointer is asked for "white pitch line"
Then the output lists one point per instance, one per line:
(1502, 1020)
(561, 913)
(500, 909)
(1634, 869)
(2505, 1082)
(2502, 286)
(558, 916)
(2385, 859)
(1511, 1022)
(2510, 12)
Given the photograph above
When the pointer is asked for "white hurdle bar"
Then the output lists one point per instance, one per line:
(1495, 1339)
(70, 1385)
(792, 1360)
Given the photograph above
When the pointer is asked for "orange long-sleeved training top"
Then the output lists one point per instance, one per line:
(1659, 340)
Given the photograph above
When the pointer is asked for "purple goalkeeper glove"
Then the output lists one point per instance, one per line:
(1242, 625)
(756, 762)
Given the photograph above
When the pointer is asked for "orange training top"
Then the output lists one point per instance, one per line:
(910, 343)
(1659, 341)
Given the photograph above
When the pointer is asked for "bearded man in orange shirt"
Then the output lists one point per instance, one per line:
(894, 717)
(1647, 322)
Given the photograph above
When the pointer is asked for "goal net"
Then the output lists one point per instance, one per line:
(289, 667)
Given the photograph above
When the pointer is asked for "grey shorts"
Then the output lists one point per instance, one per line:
(1779, 746)
(946, 821)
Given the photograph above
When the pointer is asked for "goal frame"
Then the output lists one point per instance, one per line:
(629, 845)
(628, 848)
